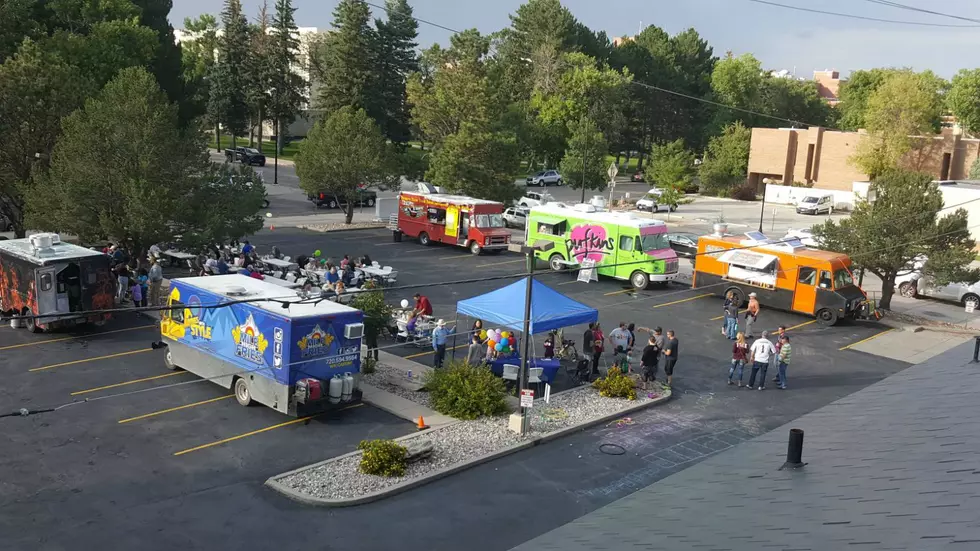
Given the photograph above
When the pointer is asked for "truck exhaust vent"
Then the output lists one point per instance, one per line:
(236, 291)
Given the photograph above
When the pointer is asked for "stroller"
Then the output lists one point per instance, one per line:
(565, 348)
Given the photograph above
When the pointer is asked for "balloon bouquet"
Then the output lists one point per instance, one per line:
(501, 344)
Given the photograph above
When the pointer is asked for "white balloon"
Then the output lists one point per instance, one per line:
(404, 303)
(268, 215)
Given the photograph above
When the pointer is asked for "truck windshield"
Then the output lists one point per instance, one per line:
(489, 220)
(654, 241)
(842, 278)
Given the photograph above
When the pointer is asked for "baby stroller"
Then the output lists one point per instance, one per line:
(565, 348)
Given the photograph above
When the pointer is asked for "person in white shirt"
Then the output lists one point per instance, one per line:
(620, 338)
(760, 353)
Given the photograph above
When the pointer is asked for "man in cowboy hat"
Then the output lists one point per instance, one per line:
(751, 314)
(439, 337)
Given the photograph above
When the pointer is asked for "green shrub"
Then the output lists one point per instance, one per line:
(744, 192)
(464, 391)
(615, 384)
(369, 365)
(383, 457)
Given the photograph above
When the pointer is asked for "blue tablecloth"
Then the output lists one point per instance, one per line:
(550, 366)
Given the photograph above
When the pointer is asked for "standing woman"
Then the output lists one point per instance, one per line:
(740, 351)
(477, 329)
(598, 339)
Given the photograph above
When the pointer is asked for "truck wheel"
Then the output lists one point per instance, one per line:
(475, 247)
(332, 204)
(31, 322)
(639, 280)
(827, 317)
(737, 295)
(370, 202)
(242, 393)
(424, 239)
(556, 262)
(168, 360)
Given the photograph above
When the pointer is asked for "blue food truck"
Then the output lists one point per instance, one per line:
(268, 344)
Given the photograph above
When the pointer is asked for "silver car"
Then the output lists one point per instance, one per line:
(545, 178)
(923, 286)
(515, 217)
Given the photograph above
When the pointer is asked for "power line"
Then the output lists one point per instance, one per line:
(922, 10)
(861, 17)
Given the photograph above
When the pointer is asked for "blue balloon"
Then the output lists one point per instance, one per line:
(500, 346)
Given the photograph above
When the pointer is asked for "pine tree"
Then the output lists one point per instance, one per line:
(346, 61)
(395, 59)
(229, 85)
(166, 64)
(259, 73)
(286, 87)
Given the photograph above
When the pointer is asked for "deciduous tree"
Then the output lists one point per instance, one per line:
(671, 165)
(886, 237)
(583, 166)
(964, 99)
(342, 154)
(479, 162)
(726, 159)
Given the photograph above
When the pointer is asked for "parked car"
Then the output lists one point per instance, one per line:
(816, 204)
(365, 198)
(545, 178)
(919, 285)
(805, 236)
(515, 217)
(246, 155)
(638, 176)
(534, 199)
(651, 201)
(684, 244)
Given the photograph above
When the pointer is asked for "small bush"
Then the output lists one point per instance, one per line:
(744, 192)
(615, 384)
(802, 184)
(464, 391)
(383, 457)
(369, 365)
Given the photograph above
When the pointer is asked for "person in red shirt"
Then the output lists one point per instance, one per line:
(422, 305)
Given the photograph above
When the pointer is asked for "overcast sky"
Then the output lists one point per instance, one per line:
(781, 38)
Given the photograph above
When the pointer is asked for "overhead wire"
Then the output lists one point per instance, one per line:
(861, 17)
(922, 10)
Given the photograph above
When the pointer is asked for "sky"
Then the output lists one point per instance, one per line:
(779, 37)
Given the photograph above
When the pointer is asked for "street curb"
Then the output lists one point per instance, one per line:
(307, 227)
(274, 484)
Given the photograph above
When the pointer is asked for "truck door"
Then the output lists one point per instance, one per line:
(44, 283)
(805, 296)
(630, 256)
(452, 221)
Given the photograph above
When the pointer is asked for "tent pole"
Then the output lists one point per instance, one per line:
(522, 376)
(455, 330)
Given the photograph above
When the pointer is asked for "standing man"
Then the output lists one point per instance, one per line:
(155, 278)
(751, 315)
(760, 353)
(439, 336)
(785, 353)
(670, 356)
(588, 342)
(620, 339)
(780, 333)
(422, 305)
(731, 316)
(650, 361)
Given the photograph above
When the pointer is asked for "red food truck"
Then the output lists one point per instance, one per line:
(464, 221)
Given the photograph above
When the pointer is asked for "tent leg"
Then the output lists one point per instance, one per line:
(455, 330)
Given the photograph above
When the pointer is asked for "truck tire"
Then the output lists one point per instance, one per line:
(242, 394)
(738, 296)
(370, 202)
(475, 248)
(31, 323)
(639, 279)
(168, 361)
(424, 239)
(827, 317)
(332, 204)
(556, 262)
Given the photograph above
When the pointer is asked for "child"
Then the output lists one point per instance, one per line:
(136, 290)
(144, 281)
(621, 360)
(549, 346)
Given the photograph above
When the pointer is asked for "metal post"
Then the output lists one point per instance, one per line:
(762, 211)
(525, 334)
(455, 331)
(976, 349)
(584, 153)
(794, 451)
(275, 177)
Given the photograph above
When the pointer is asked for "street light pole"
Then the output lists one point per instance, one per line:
(525, 334)
(275, 172)
(762, 210)
(584, 153)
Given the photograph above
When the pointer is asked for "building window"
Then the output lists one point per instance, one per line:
(944, 169)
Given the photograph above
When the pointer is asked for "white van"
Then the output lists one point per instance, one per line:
(816, 204)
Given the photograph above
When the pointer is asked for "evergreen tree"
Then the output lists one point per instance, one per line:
(346, 62)
(166, 64)
(259, 72)
(395, 57)
(229, 83)
(286, 87)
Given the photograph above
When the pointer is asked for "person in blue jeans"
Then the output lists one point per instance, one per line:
(740, 351)
(782, 358)
(731, 317)
(439, 337)
(760, 353)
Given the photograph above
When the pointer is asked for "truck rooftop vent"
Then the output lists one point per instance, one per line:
(236, 291)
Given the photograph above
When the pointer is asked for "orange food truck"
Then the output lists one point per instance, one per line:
(477, 224)
(785, 275)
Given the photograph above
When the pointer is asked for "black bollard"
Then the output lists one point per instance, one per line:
(976, 350)
(794, 452)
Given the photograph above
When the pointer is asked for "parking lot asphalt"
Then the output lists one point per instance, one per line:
(79, 477)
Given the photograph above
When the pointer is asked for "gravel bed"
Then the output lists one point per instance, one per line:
(456, 443)
(340, 226)
(380, 379)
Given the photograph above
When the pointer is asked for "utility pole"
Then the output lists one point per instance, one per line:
(275, 171)
(584, 154)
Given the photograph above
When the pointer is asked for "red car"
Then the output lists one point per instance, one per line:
(637, 176)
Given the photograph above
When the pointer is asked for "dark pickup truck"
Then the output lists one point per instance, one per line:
(246, 155)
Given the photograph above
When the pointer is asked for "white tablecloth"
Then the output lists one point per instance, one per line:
(275, 262)
(375, 272)
(178, 255)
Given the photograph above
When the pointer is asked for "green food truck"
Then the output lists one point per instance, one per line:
(622, 245)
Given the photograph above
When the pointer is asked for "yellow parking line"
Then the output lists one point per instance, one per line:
(683, 300)
(454, 257)
(125, 383)
(420, 354)
(387, 244)
(872, 337)
(106, 357)
(61, 339)
(501, 263)
(178, 408)
(421, 249)
(569, 282)
(618, 292)
(723, 316)
(254, 432)
(804, 324)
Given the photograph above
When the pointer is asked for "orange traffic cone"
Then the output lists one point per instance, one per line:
(272, 228)
(422, 425)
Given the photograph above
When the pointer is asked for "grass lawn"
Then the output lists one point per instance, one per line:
(268, 148)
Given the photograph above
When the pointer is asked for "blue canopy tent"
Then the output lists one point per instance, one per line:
(550, 309)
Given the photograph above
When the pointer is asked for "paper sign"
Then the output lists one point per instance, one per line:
(969, 307)
(527, 398)
(587, 272)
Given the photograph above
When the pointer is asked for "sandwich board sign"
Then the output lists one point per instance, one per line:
(587, 271)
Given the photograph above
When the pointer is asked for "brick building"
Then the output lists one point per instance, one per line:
(821, 157)
(828, 85)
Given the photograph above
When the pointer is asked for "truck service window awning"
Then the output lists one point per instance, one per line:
(747, 259)
(550, 221)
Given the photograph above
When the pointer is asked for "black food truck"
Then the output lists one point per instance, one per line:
(43, 276)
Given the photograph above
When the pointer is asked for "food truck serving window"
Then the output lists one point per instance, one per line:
(437, 215)
(751, 267)
(552, 227)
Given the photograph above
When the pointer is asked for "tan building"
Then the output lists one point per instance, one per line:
(821, 157)
(828, 85)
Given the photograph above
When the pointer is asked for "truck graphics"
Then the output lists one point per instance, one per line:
(590, 242)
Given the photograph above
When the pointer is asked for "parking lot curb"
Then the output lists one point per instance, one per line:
(275, 484)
